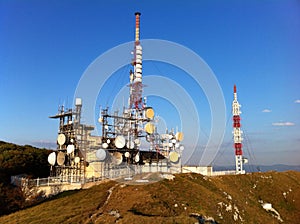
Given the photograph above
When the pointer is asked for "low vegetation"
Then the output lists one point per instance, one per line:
(15, 160)
(186, 199)
(189, 198)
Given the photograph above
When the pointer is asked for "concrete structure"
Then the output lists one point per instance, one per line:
(204, 170)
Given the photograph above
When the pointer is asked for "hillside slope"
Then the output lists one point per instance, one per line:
(15, 160)
(227, 199)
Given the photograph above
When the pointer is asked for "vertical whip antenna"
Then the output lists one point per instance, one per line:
(137, 27)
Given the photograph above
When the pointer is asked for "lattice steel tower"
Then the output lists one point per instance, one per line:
(237, 134)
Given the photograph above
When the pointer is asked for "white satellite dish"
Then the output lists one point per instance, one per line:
(130, 145)
(61, 139)
(127, 154)
(77, 159)
(105, 145)
(137, 158)
(70, 149)
(174, 157)
(60, 158)
(52, 158)
(120, 142)
(101, 154)
(117, 158)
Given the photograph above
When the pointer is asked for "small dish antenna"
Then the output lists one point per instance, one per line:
(179, 136)
(101, 154)
(149, 113)
(52, 158)
(127, 154)
(149, 128)
(120, 142)
(61, 139)
(130, 145)
(117, 158)
(70, 149)
(137, 158)
(174, 157)
(77, 159)
(60, 158)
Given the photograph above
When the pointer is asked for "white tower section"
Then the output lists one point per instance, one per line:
(136, 86)
(237, 134)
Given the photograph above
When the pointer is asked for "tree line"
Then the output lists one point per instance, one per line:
(15, 160)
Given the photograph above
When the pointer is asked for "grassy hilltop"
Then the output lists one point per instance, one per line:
(15, 160)
(226, 199)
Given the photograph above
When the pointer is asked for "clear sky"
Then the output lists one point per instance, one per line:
(45, 47)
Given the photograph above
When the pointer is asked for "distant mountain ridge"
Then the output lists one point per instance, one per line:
(261, 168)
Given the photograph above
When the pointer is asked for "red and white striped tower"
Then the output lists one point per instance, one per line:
(136, 86)
(237, 133)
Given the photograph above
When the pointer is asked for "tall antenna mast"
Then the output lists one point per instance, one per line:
(237, 134)
(136, 86)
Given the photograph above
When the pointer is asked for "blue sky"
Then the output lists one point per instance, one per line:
(45, 47)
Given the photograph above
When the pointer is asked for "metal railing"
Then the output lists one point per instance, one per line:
(114, 172)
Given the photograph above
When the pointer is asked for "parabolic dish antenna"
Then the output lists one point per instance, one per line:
(179, 136)
(77, 159)
(149, 113)
(137, 158)
(174, 157)
(120, 142)
(60, 158)
(70, 149)
(130, 145)
(101, 154)
(105, 145)
(61, 139)
(52, 158)
(127, 154)
(117, 158)
(149, 128)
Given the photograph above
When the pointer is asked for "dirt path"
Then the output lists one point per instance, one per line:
(99, 212)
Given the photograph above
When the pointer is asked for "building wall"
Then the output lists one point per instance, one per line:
(204, 170)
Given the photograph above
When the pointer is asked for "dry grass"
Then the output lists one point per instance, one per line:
(174, 201)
